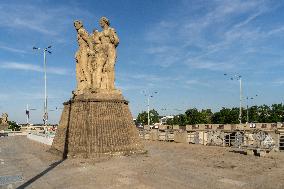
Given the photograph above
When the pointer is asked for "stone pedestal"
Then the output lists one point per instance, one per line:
(93, 125)
(4, 126)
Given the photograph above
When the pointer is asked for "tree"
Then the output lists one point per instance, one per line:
(227, 116)
(206, 116)
(143, 117)
(264, 114)
(223, 116)
(14, 126)
(154, 116)
(253, 114)
(193, 116)
(180, 119)
(234, 116)
(277, 113)
(170, 121)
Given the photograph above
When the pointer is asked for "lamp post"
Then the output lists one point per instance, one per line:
(251, 98)
(239, 78)
(45, 114)
(28, 113)
(148, 95)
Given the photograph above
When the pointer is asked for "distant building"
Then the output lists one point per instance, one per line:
(164, 119)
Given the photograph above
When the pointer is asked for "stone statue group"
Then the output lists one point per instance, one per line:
(95, 58)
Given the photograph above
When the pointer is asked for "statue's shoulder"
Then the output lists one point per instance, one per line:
(111, 29)
(82, 31)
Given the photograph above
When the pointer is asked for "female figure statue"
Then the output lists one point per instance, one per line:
(109, 41)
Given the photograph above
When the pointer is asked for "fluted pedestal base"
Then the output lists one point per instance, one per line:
(96, 125)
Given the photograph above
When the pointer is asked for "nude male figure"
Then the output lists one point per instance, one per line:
(82, 68)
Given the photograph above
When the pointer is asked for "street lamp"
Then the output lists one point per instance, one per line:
(148, 95)
(251, 98)
(239, 78)
(45, 114)
(28, 113)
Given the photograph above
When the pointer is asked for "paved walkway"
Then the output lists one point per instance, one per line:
(26, 164)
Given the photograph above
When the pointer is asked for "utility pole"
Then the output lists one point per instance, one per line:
(240, 112)
(45, 113)
(148, 109)
(148, 95)
(251, 98)
(239, 78)
(28, 114)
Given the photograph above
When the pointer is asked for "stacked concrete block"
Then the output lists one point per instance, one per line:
(181, 136)
(203, 137)
(189, 127)
(170, 136)
(162, 135)
(163, 127)
(146, 127)
(154, 134)
(176, 127)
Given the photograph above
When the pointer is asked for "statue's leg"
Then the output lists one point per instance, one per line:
(111, 72)
(90, 71)
(86, 70)
(78, 77)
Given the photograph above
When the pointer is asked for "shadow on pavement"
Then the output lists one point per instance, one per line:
(52, 166)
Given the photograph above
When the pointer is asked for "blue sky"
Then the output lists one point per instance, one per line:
(179, 48)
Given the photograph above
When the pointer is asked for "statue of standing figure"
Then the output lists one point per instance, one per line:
(95, 58)
(4, 118)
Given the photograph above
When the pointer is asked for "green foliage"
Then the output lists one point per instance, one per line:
(170, 122)
(193, 116)
(14, 126)
(277, 113)
(253, 114)
(257, 114)
(206, 116)
(180, 119)
(143, 117)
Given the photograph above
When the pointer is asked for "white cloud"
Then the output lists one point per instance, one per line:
(40, 18)
(32, 67)
(278, 82)
(192, 81)
(148, 77)
(11, 49)
(227, 25)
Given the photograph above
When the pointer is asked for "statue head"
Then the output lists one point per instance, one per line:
(104, 22)
(78, 24)
(95, 30)
(4, 117)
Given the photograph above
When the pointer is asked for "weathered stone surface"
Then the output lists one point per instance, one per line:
(97, 120)
(93, 127)
(4, 122)
(95, 58)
